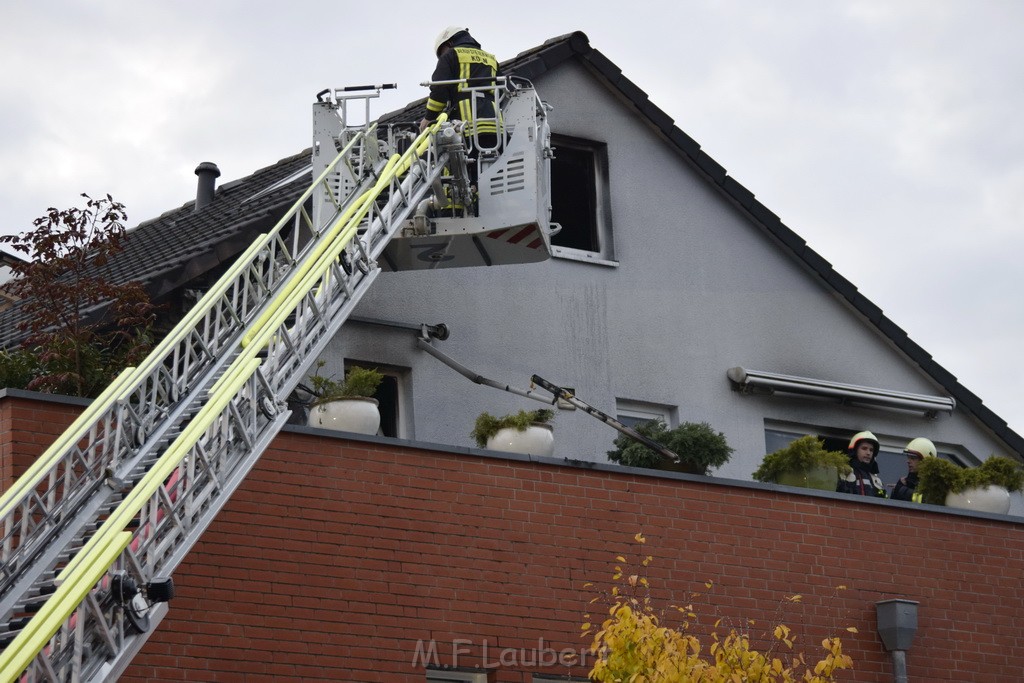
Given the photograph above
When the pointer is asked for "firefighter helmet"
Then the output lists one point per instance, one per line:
(863, 436)
(446, 35)
(921, 446)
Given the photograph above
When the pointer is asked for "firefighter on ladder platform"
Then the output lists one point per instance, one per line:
(459, 57)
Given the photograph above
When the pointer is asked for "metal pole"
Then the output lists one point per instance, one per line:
(899, 666)
(478, 378)
(566, 395)
(423, 342)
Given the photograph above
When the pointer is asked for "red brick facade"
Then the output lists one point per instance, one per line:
(339, 560)
(27, 428)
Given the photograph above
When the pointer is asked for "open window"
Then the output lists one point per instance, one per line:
(892, 464)
(580, 200)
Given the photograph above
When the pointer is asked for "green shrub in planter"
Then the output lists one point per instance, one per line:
(697, 444)
(358, 382)
(804, 454)
(488, 425)
(938, 477)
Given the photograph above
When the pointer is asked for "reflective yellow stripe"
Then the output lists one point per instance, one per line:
(465, 110)
(219, 396)
(472, 55)
(468, 57)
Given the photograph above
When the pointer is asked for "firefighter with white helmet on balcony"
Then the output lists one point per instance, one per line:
(916, 451)
(864, 479)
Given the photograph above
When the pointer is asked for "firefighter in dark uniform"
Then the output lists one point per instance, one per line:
(916, 451)
(863, 480)
(458, 57)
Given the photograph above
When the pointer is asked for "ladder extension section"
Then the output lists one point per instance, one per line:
(119, 499)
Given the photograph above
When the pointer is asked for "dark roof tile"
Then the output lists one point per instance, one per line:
(531, 69)
(867, 308)
(787, 236)
(683, 141)
(659, 118)
(939, 373)
(915, 351)
(891, 330)
(714, 170)
(817, 263)
(182, 244)
(742, 195)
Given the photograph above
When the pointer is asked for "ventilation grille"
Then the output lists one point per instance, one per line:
(336, 185)
(511, 177)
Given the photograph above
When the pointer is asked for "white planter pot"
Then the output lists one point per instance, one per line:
(995, 499)
(359, 415)
(534, 440)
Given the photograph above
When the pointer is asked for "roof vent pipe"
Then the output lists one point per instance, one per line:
(208, 174)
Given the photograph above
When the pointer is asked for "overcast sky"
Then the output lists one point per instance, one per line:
(887, 133)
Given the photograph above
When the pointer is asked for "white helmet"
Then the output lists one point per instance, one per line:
(921, 446)
(863, 436)
(446, 35)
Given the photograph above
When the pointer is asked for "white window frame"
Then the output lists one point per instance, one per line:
(643, 411)
(598, 151)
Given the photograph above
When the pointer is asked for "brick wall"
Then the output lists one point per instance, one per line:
(27, 428)
(339, 558)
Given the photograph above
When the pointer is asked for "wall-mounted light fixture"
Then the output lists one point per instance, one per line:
(897, 624)
(751, 380)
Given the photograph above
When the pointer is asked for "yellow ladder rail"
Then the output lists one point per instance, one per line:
(239, 372)
(95, 558)
(68, 596)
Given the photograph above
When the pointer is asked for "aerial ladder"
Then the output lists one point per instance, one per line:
(94, 529)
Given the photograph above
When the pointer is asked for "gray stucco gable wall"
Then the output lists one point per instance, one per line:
(605, 70)
(698, 287)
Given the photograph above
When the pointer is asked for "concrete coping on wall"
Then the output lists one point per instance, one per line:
(613, 468)
(40, 396)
